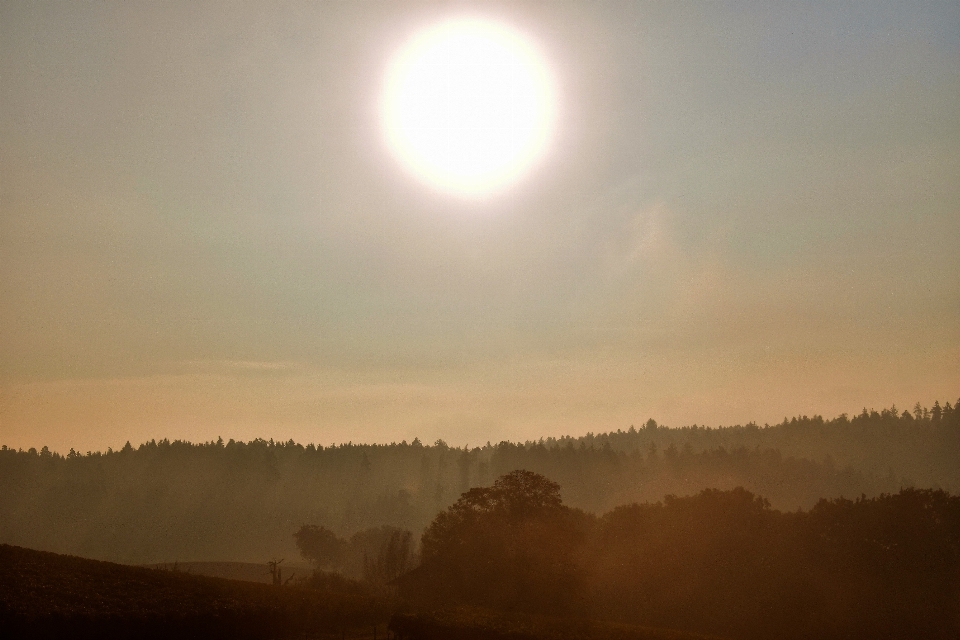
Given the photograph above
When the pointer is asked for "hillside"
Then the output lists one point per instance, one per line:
(45, 595)
(246, 571)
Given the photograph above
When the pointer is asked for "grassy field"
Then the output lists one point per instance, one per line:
(45, 595)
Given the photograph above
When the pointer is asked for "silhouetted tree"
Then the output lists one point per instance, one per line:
(512, 545)
(320, 546)
(394, 558)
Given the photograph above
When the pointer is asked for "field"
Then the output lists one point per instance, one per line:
(45, 595)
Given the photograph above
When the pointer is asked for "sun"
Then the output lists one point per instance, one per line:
(469, 105)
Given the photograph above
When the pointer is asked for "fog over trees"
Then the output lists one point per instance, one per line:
(163, 501)
(718, 562)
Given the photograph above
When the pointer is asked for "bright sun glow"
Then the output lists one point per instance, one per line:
(469, 106)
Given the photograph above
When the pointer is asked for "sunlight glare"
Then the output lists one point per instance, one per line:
(469, 106)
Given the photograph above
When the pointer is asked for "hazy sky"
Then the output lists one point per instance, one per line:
(748, 211)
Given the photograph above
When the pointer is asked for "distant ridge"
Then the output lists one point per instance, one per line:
(167, 500)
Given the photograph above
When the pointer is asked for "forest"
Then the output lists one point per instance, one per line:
(791, 531)
(720, 562)
(165, 501)
(511, 560)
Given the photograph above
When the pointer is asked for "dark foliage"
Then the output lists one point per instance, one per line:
(393, 559)
(720, 562)
(509, 546)
(167, 500)
(320, 546)
(376, 555)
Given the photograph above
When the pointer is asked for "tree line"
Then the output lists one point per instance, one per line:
(718, 562)
(374, 556)
(163, 501)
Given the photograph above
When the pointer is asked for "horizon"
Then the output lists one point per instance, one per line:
(844, 417)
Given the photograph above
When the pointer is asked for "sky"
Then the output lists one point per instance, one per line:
(747, 211)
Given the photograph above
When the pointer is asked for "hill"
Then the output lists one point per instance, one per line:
(45, 595)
